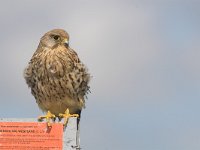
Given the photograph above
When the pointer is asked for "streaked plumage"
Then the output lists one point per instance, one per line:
(56, 76)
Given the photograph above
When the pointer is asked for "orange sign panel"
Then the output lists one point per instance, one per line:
(30, 136)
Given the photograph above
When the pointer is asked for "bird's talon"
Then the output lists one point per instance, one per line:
(40, 119)
(66, 116)
(48, 117)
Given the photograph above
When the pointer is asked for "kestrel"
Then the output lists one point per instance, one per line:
(57, 78)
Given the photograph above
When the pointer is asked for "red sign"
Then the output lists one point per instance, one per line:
(30, 136)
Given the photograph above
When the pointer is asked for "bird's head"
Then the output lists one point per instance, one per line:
(55, 38)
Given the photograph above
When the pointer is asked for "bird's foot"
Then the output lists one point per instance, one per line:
(66, 116)
(48, 117)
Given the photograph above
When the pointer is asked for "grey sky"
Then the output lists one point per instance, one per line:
(144, 59)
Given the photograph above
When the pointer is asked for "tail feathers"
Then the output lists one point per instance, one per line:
(78, 118)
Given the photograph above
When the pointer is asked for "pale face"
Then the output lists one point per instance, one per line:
(55, 38)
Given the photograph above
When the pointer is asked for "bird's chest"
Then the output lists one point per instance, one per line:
(55, 78)
(53, 64)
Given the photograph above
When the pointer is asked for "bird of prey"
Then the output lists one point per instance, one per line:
(57, 78)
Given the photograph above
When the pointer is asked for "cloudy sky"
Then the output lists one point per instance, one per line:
(144, 59)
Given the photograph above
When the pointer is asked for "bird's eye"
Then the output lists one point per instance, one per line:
(56, 37)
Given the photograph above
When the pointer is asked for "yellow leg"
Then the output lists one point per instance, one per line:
(48, 117)
(66, 116)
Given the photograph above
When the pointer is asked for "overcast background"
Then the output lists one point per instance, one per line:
(144, 57)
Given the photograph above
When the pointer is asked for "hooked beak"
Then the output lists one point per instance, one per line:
(66, 43)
